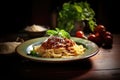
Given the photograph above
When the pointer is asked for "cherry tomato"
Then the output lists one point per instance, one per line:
(108, 41)
(100, 29)
(91, 37)
(95, 38)
(107, 33)
(98, 39)
(80, 34)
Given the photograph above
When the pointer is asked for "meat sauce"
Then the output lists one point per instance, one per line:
(57, 42)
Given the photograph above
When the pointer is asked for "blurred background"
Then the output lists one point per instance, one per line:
(16, 15)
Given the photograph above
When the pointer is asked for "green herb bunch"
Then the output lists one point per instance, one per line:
(77, 11)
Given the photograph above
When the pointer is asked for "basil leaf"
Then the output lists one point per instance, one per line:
(33, 53)
(57, 29)
(51, 32)
(92, 25)
(64, 34)
(78, 8)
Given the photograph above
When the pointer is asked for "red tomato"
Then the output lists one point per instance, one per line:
(98, 39)
(92, 37)
(95, 38)
(107, 33)
(100, 29)
(80, 34)
(108, 40)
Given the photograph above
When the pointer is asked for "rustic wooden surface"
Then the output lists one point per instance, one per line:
(103, 66)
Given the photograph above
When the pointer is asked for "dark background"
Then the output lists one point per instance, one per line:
(16, 15)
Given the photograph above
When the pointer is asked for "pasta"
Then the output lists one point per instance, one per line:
(57, 47)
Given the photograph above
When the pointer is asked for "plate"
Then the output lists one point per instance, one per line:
(24, 48)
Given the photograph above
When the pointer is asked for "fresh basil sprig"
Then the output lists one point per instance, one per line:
(58, 32)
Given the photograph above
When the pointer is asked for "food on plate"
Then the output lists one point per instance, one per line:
(58, 46)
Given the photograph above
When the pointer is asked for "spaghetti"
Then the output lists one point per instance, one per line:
(58, 47)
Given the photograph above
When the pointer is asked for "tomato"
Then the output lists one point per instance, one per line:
(107, 33)
(95, 38)
(108, 41)
(98, 39)
(101, 36)
(80, 34)
(91, 37)
(100, 29)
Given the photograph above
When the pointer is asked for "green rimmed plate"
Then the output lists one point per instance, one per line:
(24, 48)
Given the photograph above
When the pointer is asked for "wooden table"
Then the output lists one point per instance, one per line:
(103, 66)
